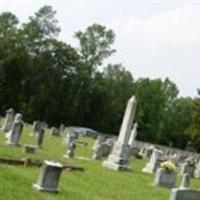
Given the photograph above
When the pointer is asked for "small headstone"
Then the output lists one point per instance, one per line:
(37, 126)
(55, 131)
(62, 128)
(188, 168)
(71, 149)
(10, 115)
(98, 148)
(49, 177)
(70, 142)
(185, 183)
(154, 161)
(29, 148)
(13, 136)
(148, 151)
(184, 192)
(40, 138)
(165, 178)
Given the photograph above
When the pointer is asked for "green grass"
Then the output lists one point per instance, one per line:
(95, 183)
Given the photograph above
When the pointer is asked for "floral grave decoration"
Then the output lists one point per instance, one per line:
(168, 165)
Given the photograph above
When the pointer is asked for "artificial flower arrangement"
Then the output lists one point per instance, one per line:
(168, 165)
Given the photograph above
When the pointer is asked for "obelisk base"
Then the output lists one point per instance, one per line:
(118, 159)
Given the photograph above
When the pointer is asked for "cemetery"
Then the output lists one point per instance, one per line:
(74, 126)
(42, 165)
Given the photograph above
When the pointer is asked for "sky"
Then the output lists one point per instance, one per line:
(154, 38)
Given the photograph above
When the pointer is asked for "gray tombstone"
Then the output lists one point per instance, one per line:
(13, 136)
(70, 142)
(133, 135)
(165, 178)
(10, 115)
(98, 148)
(40, 138)
(62, 128)
(55, 131)
(107, 146)
(49, 177)
(71, 149)
(184, 192)
(148, 151)
(154, 161)
(69, 136)
(37, 125)
(118, 158)
(185, 183)
(188, 168)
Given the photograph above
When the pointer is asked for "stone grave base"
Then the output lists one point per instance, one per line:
(39, 188)
(115, 166)
(184, 194)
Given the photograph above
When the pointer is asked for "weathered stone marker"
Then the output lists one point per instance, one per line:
(185, 183)
(10, 115)
(187, 168)
(37, 126)
(165, 178)
(154, 161)
(98, 148)
(133, 135)
(118, 158)
(40, 138)
(13, 136)
(55, 131)
(184, 192)
(49, 177)
(62, 128)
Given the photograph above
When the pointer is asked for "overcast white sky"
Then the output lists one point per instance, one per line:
(154, 38)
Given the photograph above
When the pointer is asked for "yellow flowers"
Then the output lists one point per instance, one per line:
(168, 165)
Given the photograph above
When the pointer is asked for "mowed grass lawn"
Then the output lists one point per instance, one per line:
(95, 183)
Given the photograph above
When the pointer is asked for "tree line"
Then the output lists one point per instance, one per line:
(48, 79)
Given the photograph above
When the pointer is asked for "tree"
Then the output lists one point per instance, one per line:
(119, 88)
(176, 121)
(40, 28)
(154, 99)
(95, 45)
(195, 124)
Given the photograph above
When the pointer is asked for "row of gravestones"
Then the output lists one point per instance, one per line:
(188, 164)
(178, 153)
(50, 171)
(118, 159)
(103, 146)
(167, 178)
(13, 127)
